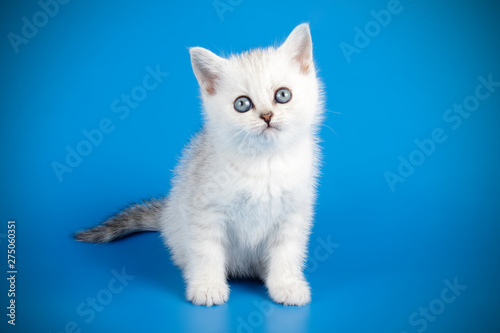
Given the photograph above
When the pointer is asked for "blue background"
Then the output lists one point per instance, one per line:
(393, 249)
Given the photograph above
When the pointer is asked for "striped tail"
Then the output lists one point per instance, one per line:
(135, 218)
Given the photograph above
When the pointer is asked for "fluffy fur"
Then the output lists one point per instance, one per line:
(241, 203)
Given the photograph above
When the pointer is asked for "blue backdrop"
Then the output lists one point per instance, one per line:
(98, 99)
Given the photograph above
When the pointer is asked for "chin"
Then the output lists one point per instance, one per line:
(274, 139)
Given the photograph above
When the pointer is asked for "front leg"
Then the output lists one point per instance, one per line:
(205, 271)
(284, 278)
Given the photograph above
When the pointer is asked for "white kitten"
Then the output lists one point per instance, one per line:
(242, 199)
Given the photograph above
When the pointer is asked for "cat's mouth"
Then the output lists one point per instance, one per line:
(271, 128)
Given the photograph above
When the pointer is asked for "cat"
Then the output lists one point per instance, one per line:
(241, 203)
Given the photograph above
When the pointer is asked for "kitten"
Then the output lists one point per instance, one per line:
(241, 203)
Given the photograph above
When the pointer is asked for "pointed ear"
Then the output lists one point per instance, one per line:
(207, 68)
(299, 46)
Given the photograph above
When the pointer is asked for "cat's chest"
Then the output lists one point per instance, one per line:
(262, 192)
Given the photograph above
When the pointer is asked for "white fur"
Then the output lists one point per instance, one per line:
(242, 199)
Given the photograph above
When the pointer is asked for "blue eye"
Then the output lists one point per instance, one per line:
(243, 104)
(283, 95)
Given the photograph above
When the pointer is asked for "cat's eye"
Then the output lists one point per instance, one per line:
(283, 95)
(243, 104)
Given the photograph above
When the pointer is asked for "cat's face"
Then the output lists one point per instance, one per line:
(262, 99)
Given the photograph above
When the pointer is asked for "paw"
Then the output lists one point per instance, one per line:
(207, 294)
(291, 293)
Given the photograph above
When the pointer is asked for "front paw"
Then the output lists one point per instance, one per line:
(207, 294)
(290, 293)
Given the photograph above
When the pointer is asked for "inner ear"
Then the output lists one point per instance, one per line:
(298, 46)
(207, 68)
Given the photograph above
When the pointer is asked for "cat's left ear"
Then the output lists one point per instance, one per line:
(207, 68)
(299, 46)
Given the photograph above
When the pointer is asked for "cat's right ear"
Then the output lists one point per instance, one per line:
(207, 68)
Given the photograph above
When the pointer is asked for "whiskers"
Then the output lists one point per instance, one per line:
(322, 124)
(338, 137)
(253, 138)
(234, 136)
(243, 142)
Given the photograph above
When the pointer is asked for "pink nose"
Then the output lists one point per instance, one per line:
(266, 117)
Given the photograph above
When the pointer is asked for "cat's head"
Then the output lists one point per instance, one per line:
(264, 99)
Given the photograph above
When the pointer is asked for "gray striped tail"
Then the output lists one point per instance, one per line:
(135, 218)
